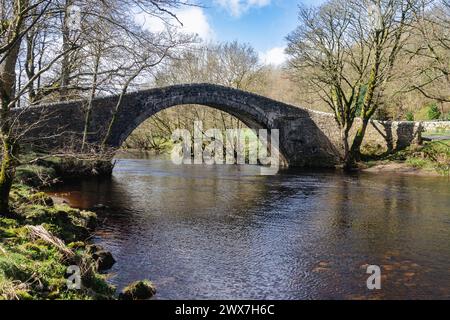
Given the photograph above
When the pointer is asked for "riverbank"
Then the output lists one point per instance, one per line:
(39, 241)
(45, 243)
(401, 168)
(430, 159)
(43, 170)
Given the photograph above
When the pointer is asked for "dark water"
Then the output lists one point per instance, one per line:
(224, 232)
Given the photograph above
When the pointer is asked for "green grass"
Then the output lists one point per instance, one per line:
(432, 156)
(32, 268)
(437, 133)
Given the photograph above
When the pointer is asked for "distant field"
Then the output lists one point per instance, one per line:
(437, 133)
(440, 134)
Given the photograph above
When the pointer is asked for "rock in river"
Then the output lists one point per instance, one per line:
(139, 290)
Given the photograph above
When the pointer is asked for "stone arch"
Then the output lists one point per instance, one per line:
(228, 100)
(251, 109)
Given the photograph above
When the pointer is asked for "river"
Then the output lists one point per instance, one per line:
(224, 232)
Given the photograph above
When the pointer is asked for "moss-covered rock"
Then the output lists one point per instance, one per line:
(77, 245)
(139, 290)
(104, 259)
(41, 198)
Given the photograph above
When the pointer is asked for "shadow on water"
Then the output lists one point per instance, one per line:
(224, 232)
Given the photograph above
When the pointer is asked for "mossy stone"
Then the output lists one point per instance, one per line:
(139, 290)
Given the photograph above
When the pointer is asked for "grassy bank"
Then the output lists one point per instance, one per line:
(431, 158)
(40, 240)
(38, 243)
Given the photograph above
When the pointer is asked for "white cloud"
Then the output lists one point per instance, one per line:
(149, 22)
(275, 56)
(194, 21)
(238, 7)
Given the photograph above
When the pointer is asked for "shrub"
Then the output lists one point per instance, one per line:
(433, 112)
(409, 116)
(417, 162)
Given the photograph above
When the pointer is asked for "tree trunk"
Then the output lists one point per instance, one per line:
(87, 119)
(7, 174)
(65, 63)
(9, 145)
(344, 138)
(367, 112)
(113, 118)
(29, 65)
(118, 106)
(355, 150)
(8, 164)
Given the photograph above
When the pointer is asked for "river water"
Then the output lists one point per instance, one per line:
(224, 232)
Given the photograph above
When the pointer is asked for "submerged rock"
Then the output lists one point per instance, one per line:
(139, 290)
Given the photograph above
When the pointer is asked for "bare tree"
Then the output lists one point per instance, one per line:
(18, 17)
(432, 25)
(56, 59)
(345, 51)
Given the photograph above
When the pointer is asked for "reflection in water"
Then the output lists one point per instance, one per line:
(224, 232)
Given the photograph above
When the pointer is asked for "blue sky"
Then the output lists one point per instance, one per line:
(262, 23)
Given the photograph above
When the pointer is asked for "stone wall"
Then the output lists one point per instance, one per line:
(387, 136)
(381, 136)
(433, 126)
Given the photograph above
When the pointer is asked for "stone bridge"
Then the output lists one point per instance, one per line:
(307, 138)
